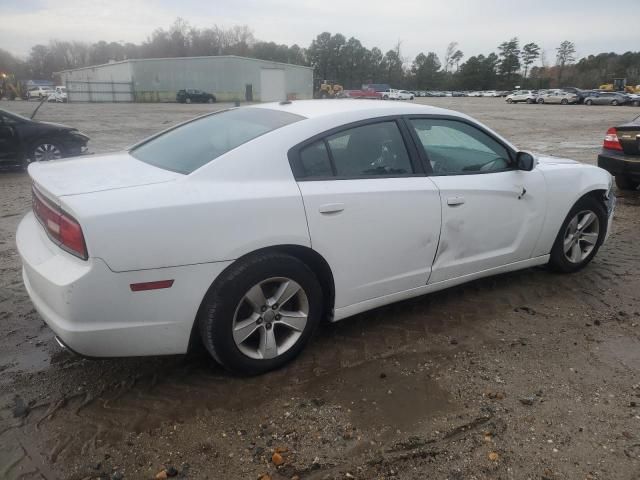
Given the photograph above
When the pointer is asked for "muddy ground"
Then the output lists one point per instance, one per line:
(529, 375)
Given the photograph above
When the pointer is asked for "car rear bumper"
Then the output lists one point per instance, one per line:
(93, 310)
(619, 163)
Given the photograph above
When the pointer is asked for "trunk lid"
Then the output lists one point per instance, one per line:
(629, 137)
(75, 176)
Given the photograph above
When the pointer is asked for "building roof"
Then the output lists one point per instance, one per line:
(178, 59)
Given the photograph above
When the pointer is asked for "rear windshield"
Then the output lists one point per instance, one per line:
(194, 144)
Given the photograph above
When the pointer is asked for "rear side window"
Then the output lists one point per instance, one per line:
(370, 150)
(315, 161)
(194, 144)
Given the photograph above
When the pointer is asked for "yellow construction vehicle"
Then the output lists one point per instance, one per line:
(620, 85)
(327, 89)
(8, 86)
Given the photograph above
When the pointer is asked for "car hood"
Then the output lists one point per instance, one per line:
(76, 176)
(555, 161)
(57, 126)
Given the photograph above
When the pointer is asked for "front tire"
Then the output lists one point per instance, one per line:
(564, 101)
(260, 313)
(541, 101)
(580, 236)
(625, 182)
(187, 100)
(45, 151)
(614, 103)
(588, 102)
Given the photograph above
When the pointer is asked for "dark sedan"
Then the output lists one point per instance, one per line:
(620, 154)
(191, 95)
(23, 140)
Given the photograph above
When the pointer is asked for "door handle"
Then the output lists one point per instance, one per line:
(455, 201)
(328, 208)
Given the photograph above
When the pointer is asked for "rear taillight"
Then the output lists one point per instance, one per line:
(611, 140)
(61, 227)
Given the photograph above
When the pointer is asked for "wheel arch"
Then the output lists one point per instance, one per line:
(316, 262)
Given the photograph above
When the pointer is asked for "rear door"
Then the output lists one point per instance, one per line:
(492, 213)
(372, 213)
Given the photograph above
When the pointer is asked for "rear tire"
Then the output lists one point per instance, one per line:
(614, 103)
(588, 102)
(541, 101)
(509, 100)
(226, 309)
(625, 182)
(564, 101)
(575, 246)
(187, 100)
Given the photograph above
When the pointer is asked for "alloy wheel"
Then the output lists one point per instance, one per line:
(581, 236)
(46, 151)
(270, 318)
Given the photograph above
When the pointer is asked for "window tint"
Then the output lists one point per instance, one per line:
(194, 144)
(315, 162)
(376, 149)
(458, 148)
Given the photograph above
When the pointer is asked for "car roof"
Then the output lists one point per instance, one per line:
(361, 108)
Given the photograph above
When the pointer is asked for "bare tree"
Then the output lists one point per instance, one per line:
(448, 56)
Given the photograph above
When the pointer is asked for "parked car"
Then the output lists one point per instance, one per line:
(490, 93)
(557, 96)
(59, 95)
(246, 227)
(39, 92)
(521, 96)
(395, 94)
(606, 98)
(191, 95)
(582, 94)
(634, 99)
(620, 154)
(23, 140)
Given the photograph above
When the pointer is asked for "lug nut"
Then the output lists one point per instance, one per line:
(259, 321)
(268, 325)
(278, 317)
(274, 306)
(263, 309)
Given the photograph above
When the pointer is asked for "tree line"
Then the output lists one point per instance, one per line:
(347, 61)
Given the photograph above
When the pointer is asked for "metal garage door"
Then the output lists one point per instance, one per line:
(272, 85)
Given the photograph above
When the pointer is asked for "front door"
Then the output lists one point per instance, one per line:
(492, 213)
(371, 214)
(9, 141)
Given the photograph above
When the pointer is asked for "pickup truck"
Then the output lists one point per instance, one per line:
(394, 94)
(362, 93)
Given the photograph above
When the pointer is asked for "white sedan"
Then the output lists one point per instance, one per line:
(245, 228)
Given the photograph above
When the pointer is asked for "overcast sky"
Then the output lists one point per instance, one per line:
(421, 25)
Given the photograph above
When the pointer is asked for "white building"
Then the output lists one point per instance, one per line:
(228, 77)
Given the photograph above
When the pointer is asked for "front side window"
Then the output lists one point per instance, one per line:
(194, 144)
(370, 150)
(456, 148)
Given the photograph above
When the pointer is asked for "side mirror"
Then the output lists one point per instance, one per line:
(525, 161)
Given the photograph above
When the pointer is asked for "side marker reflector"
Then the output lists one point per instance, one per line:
(140, 287)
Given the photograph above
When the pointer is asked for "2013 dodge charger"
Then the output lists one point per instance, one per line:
(248, 226)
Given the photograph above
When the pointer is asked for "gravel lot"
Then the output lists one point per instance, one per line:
(528, 375)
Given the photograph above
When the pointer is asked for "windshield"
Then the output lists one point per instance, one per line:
(194, 144)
